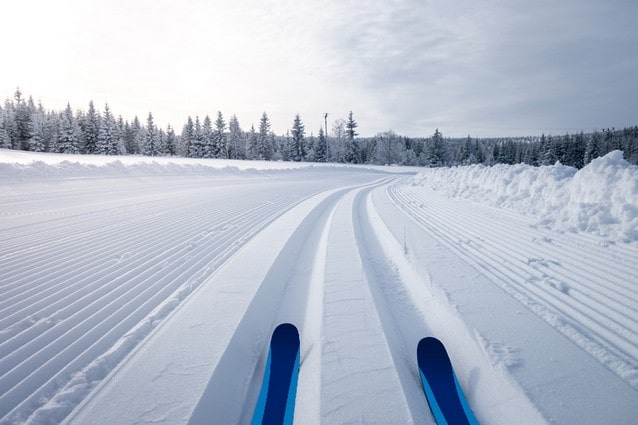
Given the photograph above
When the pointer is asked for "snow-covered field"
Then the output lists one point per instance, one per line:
(146, 290)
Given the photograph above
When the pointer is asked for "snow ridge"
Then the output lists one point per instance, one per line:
(601, 198)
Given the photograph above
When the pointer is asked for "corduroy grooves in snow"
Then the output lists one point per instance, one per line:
(145, 290)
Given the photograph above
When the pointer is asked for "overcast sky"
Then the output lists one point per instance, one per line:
(479, 67)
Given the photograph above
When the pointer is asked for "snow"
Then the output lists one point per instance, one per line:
(601, 198)
(145, 290)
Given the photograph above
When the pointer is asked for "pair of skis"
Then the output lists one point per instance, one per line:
(276, 403)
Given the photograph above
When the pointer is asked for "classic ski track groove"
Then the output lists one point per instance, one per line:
(303, 257)
(140, 251)
(108, 274)
(587, 279)
(71, 322)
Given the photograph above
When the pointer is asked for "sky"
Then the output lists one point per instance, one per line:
(484, 68)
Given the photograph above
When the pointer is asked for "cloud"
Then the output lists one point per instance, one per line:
(487, 67)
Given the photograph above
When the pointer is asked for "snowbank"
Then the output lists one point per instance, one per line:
(601, 198)
(68, 169)
(21, 165)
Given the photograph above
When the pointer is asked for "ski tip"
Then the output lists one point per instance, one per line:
(286, 331)
(286, 327)
(428, 344)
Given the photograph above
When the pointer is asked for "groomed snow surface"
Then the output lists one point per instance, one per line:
(145, 290)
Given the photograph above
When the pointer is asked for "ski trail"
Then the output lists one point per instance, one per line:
(308, 410)
(33, 368)
(291, 272)
(574, 294)
(401, 322)
(359, 381)
(85, 279)
(412, 308)
(244, 304)
(524, 343)
(218, 308)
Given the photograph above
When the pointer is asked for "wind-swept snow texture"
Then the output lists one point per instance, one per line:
(146, 291)
(601, 199)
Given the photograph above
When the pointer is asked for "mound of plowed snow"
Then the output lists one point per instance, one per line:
(601, 198)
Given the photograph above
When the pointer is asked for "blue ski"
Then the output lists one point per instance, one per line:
(442, 388)
(276, 403)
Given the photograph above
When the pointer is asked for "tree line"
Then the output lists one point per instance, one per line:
(25, 126)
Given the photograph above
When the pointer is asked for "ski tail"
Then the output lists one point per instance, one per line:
(441, 386)
(276, 403)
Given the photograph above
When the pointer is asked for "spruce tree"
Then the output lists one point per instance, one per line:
(208, 146)
(132, 138)
(464, 156)
(91, 129)
(478, 151)
(151, 139)
(5, 141)
(68, 141)
(170, 147)
(37, 131)
(186, 139)
(352, 153)
(265, 140)
(220, 150)
(544, 150)
(22, 121)
(321, 147)
(577, 151)
(298, 150)
(252, 144)
(435, 151)
(593, 149)
(108, 135)
(9, 123)
(197, 141)
(236, 149)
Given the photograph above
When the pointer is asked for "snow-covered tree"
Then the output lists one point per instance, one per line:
(8, 123)
(611, 140)
(196, 149)
(5, 141)
(336, 145)
(37, 142)
(108, 141)
(593, 149)
(465, 155)
(151, 138)
(507, 153)
(208, 148)
(68, 140)
(236, 147)
(170, 147)
(352, 153)
(91, 129)
(186, 139)
(131, 139)
(252, 144)
(388, 148)
(435, 151)
(265, 140)
(321, 147)
(297, 147)
(220, 150)
(22, 118)
(575, 154)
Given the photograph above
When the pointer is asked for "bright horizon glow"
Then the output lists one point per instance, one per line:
(480, 68)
